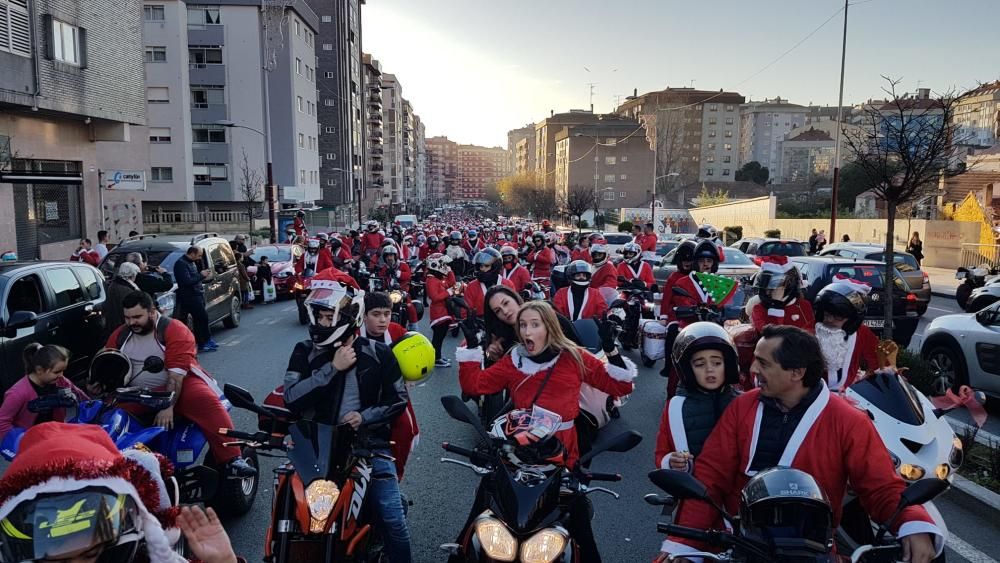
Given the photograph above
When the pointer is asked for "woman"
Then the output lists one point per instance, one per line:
(121, 285)
(916, 247)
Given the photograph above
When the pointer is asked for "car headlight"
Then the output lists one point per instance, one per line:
(544, 547)
(911, 472)
(396, 297)
(321, 496)
(497, 541)
(283, 274)
(957, 455)
(167, 302)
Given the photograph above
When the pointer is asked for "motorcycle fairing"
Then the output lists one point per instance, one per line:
(526, 508)
(184, 443)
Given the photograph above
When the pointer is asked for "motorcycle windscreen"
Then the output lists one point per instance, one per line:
(588, 335)
(893, 396)
(525, 506)
(318, 451)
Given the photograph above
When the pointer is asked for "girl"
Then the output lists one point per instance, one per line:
(44, 366)
(706, 358)
(440, 287)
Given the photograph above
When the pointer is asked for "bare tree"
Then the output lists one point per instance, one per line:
(251, 190)
(578, 201)
(903, 148)
(665, 133)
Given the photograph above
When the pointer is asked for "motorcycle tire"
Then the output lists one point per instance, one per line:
(980, 303)
(962, 295)
(235, 497)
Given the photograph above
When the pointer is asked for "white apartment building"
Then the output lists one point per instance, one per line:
(977, 115)
(720, 140)
(763, 125)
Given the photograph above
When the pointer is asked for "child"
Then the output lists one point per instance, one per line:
(845, 341)
(706, 359)
(44, 366)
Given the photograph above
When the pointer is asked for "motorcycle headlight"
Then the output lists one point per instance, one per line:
(544, 547)
(957, 455)
(911, 472)
(283, 274)
(321, 496)
(497, 541)
(396, 297)
(942, 471)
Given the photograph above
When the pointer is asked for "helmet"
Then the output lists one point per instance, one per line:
(323, 237)
(110, 368)
(372, 226)
(704, 336)
(708, 232)
(843, 298)
(408, 240)
(312, 245)
(776, 272)
(546, 223)
(433, 240)
(390, 250)
(300, 213)
(454, 237)
(501, 237)
(421, 239)
(632, 252)
(599, 253)
(415, 356)
(785, 503)
(473, 234)
(578, 269)
(488, 257)
(551, 238)
(708, 249)
(538, 236)
(438, 262)
(531, 433)
(335, 243)
(508, 253)
(353, 234)
(347, 304)
(684, 253)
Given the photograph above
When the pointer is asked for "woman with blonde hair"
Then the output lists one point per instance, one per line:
(916, 247)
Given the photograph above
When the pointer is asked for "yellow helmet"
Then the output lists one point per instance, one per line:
(415, 356)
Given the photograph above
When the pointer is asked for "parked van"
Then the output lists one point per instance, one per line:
(406, 221)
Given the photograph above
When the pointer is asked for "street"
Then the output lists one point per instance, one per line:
(256, 354)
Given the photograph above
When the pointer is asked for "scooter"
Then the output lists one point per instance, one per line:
(977, 290)
(300, 290)
(638, 305)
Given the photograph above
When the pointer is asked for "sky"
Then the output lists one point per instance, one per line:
(474, 69)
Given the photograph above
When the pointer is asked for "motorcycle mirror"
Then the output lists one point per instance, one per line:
(922, 492)
(240, 397)
(657, 500)
(152, 364)
(621, 443)
(458, 410)
(679, 484)
(680, 291)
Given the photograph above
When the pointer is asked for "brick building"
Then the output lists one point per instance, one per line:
(479, 169)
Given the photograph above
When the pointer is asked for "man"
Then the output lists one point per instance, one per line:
(196, 395)
(488, 266)
(633, 267)
(582, 250)
(102, 245)
(151, 280)
(84, 253)
(371, 241)
(119, 287)
(813, 242)
(648, 242)
(513, 271)
(792, 419)
(239, 244)
(605, 271)
(336, 377)
(191, 296)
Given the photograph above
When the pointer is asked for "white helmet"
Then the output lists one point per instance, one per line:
(599, 248)
(347, 304)
(438, 262)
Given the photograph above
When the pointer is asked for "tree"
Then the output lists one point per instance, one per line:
(578, 201)
(902, 148)
(526, 193)
(251, 190)
(676, 175)
(853, 181)
(707, 197)
(753, 172)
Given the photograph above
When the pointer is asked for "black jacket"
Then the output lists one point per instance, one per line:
(701, 410)
(189, 281)
(776, 428)
(153, 283)
(114, 313)
(314, 389)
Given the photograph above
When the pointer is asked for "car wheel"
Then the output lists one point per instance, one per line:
(947, 369)
(233, 320)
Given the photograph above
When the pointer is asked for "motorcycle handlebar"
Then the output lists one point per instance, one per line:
(603, 476)
(688, 533)
(458, 450)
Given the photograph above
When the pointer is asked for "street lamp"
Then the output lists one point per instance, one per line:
(269, 192)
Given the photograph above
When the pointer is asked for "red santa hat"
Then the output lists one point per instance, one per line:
(776, 264)
(56, 457)
(852, 284)
(333, 274)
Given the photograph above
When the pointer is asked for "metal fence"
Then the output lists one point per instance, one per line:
(980, 254)
(161, 216)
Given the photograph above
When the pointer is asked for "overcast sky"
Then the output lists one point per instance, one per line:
(475, 69)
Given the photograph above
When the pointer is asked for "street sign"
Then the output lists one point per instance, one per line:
(121, 180)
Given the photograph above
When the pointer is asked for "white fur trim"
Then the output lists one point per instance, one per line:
(919, 527)
(570, 304)
(526, 365)
(801, 431)
(676, 417)
(464, 354)
(776, 312)
(627, 373)
(837, 375)
(676, 548)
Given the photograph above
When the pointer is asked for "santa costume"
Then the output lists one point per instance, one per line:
(517, 275)
(644, 272)
(796, 312)
(605, 275)
(475, 293)
(584, 303)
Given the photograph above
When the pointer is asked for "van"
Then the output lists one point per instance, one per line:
(406, 221)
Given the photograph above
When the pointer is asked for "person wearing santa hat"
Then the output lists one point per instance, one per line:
(579, 300)
(780, 302)
(71, 496)
(846, 342)
(705, 257)
(605, 271)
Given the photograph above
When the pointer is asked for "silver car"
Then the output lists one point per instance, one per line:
(906, 264)
(964, 349)
(736, 265)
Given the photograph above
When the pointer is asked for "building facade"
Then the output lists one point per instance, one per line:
(524, 156)
(442, 170)
(374, 133)
(545, 140)
(420, 159)
(977, 115)
(807, 158)
(479, 169)
(392, 97)
(763, 125)
(71, 114)
(514, 138)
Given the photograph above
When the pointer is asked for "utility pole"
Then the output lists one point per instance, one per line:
(592, 84)
(840, 121)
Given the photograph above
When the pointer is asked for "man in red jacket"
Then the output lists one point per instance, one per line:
(84, 253)
(820, 433)
(605, 272)
(633, 267)
(489, 267)
(513, 271)
(578, 300)
(371, 241)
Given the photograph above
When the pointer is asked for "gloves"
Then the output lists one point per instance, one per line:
(608, 331)
(471, 333)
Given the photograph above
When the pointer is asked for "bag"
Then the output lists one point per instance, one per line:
(654, 340)
(270, 294)
(250, 296)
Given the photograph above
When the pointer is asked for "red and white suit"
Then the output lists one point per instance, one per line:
(437, 292)
(666, 304)
(605, 276)
(582, 254)
(593, 307)
(475, 294)
(371, 242)
(542, 261)
(834, 442)
(797, 313)
(517, 275)
(560, 395)
(697, 296)
(644, 273)
(863, 345)
(672, 436)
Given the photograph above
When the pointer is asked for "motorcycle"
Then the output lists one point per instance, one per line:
(637, 301)
(320, 510)
(418, 283)
(775, 541)
(300, 290)
(975, 291)
(528, 498)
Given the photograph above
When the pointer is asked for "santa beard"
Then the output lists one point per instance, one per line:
(833, 344)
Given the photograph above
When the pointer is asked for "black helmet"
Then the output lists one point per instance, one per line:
(708, 249)
(785, 503)
(842, 298)
(300, 213)
(335, 244)
(433, 240)
(773, 275)
(684, 253)
(488, 257)
(579, 268)
(707, 231)
(704, 336)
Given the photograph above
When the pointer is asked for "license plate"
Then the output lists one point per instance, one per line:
(875, 323)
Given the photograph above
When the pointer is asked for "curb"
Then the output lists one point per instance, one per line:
(943, 294)
(971, 492)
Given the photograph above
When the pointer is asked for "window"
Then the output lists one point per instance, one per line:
(712, 121)
(623, 177)
(91, 285)
(156, 54)
(331, 182)
(66, 42)
(331, 130)
(625, 158)
(710, 146)
(326, 19)
(298, 28)
(153, 13)
(725, 172)
(610, 160)
(727, 158)
(710, 158)
(65, 286)
(713, 107)
(729, 107)
(208, 173)
(298, 103)
(310, 74)
(157, 95)
(302, 176)
(328, 102)
(302, 141)
(204, 96)
(200, 56)
(609, 195)
(611, 141)
(15, 27)
(597, 176)
(330, 156)
(159, 134)
(203, 15)
(622, 194)
(161, 174)
(25, 295)
(728, 146)
(609, 178)
(729, 121)
(711, 133)
(329, 74)
(729, 134)
(298, 66)
(208, 134)
(327, 46)
(710, 171)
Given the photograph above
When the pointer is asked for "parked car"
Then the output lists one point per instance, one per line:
(755, 247)
(222, 290)
(616, 241)
(49, 303)
(964, 349)
(279, 257)
(906, 264)
(663, 248)
(819, 271)
(736, 265)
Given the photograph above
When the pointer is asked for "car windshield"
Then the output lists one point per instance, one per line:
(273, 253)
(869, 274)
(662, 248)
(618, 238)
(736, 258)
(154, 258)
(904, 262)
(781, 248)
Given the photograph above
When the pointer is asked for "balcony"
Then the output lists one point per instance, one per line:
(377, 168)
(375, 117)
(373, 97)
(375, 141)
(376, 152)
(375, 87)
(375, 134)
(202, 73)
(206, 35)
(208, 113)
(375, 104)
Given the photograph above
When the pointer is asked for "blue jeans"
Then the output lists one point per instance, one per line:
(389, 507)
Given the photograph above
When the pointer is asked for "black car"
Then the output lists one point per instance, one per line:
(222, 291)
(49, 303)
(819, 271)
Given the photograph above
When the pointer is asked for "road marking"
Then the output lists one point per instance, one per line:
(943, 310)
(967, 551)
(287, 309)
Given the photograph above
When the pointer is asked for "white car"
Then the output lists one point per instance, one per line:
(964, 349)
(615, 242)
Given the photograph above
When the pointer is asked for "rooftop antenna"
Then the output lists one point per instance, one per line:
(592, 84)
(692, 83)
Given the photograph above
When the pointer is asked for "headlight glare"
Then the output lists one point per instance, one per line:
(497, 541)
(543, 547)
(395, 297)
(911, 472)
(942, 471)
(957, 455)
(321, 496)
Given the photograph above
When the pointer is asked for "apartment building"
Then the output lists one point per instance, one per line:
(409, 157)
(977, 115)
(545, 141)
(442, 170)
(205, 93)
(392, 96)
(72, 116)
(514, 137)
(375, 160)
(807, 157)
(479, 169)
(524, 155)
(420, 160)
(763, 125)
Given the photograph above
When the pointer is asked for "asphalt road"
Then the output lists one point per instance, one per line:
(256, 354)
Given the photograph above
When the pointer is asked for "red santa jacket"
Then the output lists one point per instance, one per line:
(647, 242)
(672, 436)
(834, 442)
(644, 273)
(666, 304)
(300, 227)
(89, 256)
(426, 250)
(371, 242)
(180, 351)
(472, 249)
(541, 262)
(864, 344)
(797, 313)
(437, 292)
(582, 254)
(517, 275)
(475, 294)
(593, 306)
(560, 395)
(605, 276)
(405, 275)
(323, 261)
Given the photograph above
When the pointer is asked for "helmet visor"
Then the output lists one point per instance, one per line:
(64, 525)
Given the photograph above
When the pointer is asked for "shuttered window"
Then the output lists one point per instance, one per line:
(15, 30)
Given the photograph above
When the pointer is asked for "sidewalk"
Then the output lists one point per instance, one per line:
(943, 282)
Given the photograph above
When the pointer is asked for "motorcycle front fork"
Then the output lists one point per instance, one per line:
(286, 522)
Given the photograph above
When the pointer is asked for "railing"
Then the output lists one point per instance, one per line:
(161, 216)
(980, 254)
